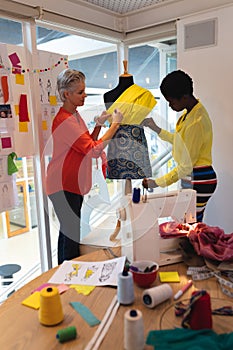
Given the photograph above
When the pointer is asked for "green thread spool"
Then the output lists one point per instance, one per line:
(66, 334)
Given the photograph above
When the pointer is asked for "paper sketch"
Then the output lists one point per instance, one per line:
(89, 273)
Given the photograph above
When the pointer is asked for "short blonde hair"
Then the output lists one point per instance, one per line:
(67, 79)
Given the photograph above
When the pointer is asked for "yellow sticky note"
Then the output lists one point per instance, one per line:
(16, 109)
(53, 100)
(33, 301)
(166, 276)
(19, 79)
(82, 289)
(44, 125)
(23, 127)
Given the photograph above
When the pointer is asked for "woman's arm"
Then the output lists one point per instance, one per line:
(100, 120)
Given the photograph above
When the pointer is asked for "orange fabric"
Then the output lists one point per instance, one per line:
(5, 88)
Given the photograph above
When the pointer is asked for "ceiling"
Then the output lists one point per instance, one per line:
(123, 6)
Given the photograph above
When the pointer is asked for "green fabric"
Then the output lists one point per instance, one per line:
(86, 313)
(183, 339)
(12, 168)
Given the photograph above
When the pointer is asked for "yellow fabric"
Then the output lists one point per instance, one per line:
(33, 300)
(135, 103)
(192, 144)
(83, 289)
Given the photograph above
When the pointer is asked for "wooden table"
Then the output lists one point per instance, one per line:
(20, 327)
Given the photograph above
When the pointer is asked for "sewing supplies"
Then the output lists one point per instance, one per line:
(103, 328)
(147, 269)
(144, 195)
(136, 195)
(133, 330)
(156, 295)
(183, 290)
(197, 314)
(144, 272)
(203, 272)
(50, 312)
(66, 334)
(169, 276)
(125, 288)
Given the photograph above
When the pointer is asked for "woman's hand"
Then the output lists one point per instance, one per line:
(149, 183)
(117, 116)
(100, 120)
(149, 122)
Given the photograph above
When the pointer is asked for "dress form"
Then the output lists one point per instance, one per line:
(127, 152)
(125, 81)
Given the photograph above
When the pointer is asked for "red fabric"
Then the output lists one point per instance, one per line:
(23, 109)
(172, 229)
(201, 314)
(211, 242)
(70, 168)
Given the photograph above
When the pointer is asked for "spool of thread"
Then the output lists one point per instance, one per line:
(154, 296)
(125, 288)
(66, 334)
(133, 330)
(201, 313)
(136, 195)
(128, 186)
(50, 312)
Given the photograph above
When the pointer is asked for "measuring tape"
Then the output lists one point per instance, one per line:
(203, 273)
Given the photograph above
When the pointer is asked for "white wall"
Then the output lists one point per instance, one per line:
(212, 71)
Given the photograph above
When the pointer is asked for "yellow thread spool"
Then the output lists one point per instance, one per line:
(50, 312)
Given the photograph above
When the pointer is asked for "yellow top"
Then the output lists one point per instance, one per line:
(135, 103)
(192, 144)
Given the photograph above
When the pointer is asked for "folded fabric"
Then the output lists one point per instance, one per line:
(183, 339)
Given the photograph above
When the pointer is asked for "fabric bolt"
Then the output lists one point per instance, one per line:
(198, 314)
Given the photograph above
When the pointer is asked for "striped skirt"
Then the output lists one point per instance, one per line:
(204, 181)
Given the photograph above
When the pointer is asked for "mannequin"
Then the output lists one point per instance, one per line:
(127, 154)
(125, 81)
(120, 165)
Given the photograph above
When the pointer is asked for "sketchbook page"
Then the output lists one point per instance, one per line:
(99, 273)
